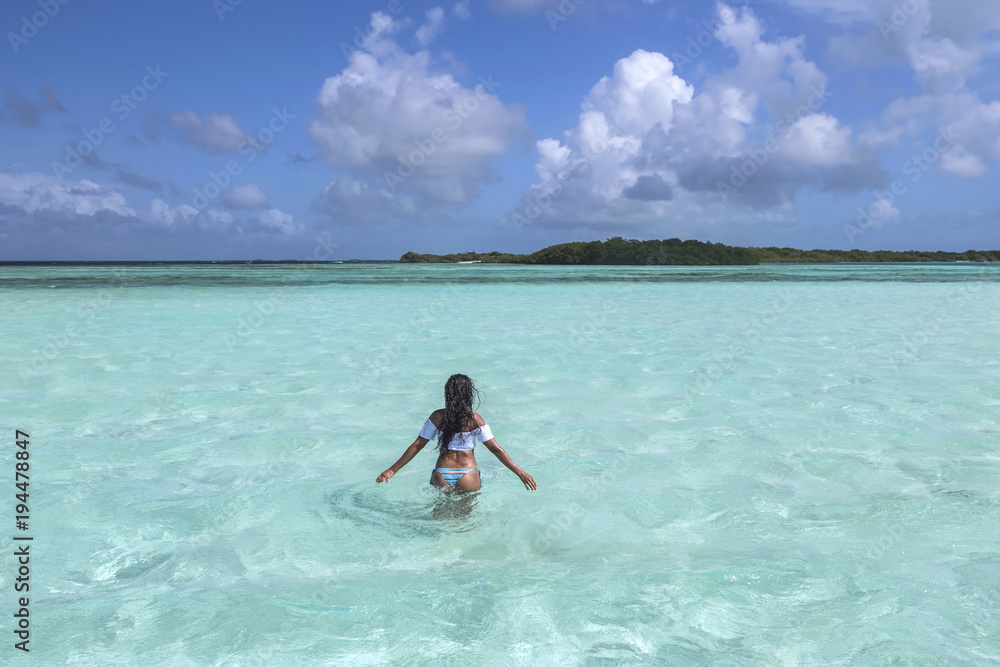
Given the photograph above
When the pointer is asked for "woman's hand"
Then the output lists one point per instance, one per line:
(529, 481)
(386, 476)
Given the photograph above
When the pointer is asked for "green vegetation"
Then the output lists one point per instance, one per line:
(494, 257)
(777, 255)
(617, 250)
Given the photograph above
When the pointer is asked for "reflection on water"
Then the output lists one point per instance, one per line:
(367, 506)
(455, 505)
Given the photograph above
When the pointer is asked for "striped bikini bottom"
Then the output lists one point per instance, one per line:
(452, 475)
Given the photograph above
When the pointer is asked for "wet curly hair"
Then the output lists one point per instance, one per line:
(459, 393)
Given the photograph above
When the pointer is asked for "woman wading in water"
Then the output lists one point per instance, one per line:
(457, 429)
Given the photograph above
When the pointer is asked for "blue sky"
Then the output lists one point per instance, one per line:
(225, 130)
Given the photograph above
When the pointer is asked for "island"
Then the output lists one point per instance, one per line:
(617, 250)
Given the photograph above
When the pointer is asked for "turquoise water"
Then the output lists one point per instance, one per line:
(782, 465)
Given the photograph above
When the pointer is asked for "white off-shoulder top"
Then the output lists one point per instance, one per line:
(465, 440)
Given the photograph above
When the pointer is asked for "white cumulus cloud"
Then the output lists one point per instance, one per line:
(651, 148)
(434, 26)
(161, 213)
(275, 220)
(215, 133)
(461, 10)
(409, 140)
(35, 192)
(185, 217)
(818, 139)
(245, 196)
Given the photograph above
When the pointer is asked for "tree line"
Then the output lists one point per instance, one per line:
(617, 250)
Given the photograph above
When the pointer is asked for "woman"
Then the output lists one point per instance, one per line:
(457, 429)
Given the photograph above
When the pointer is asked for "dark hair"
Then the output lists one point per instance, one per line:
(458, 415)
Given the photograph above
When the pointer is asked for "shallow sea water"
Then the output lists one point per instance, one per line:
(781, 465)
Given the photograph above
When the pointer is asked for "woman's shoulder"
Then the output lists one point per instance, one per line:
(479, 420)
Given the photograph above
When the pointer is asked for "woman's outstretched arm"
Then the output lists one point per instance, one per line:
(529, 481)
(410, 452)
